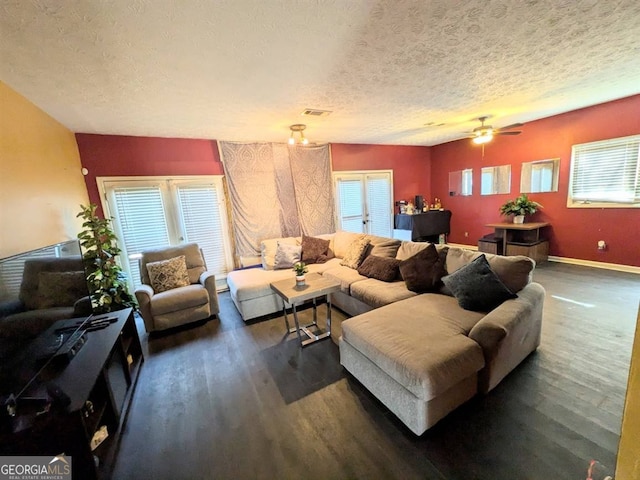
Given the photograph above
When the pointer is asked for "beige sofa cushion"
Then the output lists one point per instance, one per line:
(345, 275)
(382, 246)
(253, 283)
(377, 293)
(420, 342)
(515, 271)
(178, 299)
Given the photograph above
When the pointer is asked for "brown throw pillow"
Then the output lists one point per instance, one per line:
(380, 268)
(312, 248)
(355, 253)
(168, 274)
(424, 271)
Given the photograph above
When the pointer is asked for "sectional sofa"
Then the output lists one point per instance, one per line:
(421, 354)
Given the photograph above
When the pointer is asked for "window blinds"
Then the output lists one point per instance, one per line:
(140, 213)
(606, 171)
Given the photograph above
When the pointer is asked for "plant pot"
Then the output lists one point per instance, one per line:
(300, 280)
(518, 219)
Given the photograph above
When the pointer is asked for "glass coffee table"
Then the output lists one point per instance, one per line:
(316, 286)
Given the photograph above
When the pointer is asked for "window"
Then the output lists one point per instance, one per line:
(364, 202)
(605, 174)
(158, 212)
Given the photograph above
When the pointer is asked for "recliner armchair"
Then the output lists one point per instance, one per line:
(181, 305)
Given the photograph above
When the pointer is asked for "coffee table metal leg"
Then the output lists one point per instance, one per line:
(329, 314)
(290, 329)
(295, 318)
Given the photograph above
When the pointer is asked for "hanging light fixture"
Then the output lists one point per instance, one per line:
(482, 137)
(298, 128)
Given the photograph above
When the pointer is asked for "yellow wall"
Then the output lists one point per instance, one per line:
(41, 185)
(628, 467)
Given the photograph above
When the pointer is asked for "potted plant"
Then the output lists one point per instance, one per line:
(519, 208)
(300, 268)
(107, 282)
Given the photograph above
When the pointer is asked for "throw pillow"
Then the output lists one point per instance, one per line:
(286, 256)
(168, 274)
(380, 268)
(312, 248)
(423, 271)
(477, 287)
(61, 289)
(355, 253)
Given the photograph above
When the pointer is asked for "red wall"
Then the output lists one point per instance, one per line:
(411, 165)
(574, 232)
(114, 155)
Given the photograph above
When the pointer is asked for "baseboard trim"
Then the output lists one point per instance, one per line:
(590, 263)
(574, 261)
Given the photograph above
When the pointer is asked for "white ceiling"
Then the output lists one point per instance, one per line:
(245, 69)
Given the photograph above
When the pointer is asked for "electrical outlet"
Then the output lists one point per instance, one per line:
(602, 245)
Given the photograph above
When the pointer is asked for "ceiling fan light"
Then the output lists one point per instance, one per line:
(484, 138)
(292, 140)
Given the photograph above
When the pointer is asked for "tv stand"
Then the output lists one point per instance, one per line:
(90, 394)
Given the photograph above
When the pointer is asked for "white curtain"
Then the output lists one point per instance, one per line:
(277, 191)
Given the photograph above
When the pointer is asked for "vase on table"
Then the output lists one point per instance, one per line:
(300, 280)
(518, 219)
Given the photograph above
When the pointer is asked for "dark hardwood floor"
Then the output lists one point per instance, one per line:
(229, 400)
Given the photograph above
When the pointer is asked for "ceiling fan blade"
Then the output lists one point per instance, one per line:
(514, 125)
(513, 132)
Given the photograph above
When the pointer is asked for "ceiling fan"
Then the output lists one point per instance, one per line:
(484, 133)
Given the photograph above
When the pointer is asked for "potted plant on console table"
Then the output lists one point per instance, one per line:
(519, 208)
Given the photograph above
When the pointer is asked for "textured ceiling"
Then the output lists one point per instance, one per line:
(246, 69)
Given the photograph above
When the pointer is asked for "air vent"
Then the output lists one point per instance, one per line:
(312, 112)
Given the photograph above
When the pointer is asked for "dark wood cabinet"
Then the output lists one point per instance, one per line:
(425, 227)
(98, 384)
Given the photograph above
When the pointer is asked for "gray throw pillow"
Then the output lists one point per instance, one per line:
(477, 287)
(423, 271)
(286, 256)
(380, 268)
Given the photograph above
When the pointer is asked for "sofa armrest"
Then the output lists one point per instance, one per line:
(144, 294)
(10, 307)
(82, 307)
(507, 317)
(509, 333)
(208, 281)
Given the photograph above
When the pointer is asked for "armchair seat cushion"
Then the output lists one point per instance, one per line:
(180, 298)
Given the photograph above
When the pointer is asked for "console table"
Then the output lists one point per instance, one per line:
(98, 384)
(521, 239)
(425, 227)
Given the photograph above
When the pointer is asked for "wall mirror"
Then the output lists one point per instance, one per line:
(540, 176)
(461, 182)
(495, 180)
